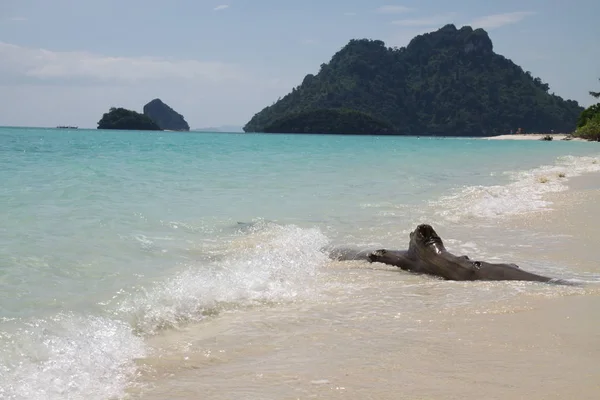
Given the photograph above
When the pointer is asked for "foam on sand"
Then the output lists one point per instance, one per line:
(526, 192)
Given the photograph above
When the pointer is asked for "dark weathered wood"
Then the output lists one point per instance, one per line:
(427, 254)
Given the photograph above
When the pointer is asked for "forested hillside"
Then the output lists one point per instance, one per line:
(448, 82)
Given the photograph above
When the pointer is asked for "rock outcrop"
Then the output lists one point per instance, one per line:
(165, 117)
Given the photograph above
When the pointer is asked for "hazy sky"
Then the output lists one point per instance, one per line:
(68, 61)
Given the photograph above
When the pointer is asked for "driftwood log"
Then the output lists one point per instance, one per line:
(426, 254)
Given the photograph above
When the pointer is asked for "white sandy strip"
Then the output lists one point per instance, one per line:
(531, 136)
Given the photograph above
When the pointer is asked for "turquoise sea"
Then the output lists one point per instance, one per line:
(109, 239)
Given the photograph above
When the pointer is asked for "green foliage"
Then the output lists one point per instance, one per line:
(121, 118)
(588, 124)
(591, 130)
(448, 82)
(329, 121)
(588, 114)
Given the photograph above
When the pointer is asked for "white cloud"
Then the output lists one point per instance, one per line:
(49, 65)
(392, 9)
(18, 19)
(48, 88)
(221, 7)
(433, 20)
(499, 20)
(202, 104)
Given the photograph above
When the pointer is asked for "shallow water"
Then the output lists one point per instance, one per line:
(152, 264)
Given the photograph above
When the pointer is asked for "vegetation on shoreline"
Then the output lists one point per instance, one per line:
(588, 125)
(121, 118)
(448, 82)
(591, 130)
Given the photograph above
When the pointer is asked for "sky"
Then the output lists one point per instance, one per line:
(66, 62)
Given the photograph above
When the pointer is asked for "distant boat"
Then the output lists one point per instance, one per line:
(66, 127)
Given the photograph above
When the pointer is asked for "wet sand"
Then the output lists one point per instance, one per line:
(378, 333)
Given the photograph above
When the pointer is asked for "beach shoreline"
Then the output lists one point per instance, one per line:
(143, 283)
(536, 136)
(370, 344)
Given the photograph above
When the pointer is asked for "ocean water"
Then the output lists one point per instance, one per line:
(113, 243)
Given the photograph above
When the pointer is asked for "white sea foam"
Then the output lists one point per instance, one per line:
(524, 194)
(268, 265)
(68, 357)
(91, 357)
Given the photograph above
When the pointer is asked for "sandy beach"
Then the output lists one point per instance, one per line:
(386, 343)
(534, 136)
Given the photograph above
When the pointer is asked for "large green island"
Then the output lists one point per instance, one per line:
(448, 82)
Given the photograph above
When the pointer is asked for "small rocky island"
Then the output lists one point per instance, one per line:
(123, 119)
(165, 117)
(157, 116)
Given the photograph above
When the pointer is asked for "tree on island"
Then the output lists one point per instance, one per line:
(588, 124)
(595, 94)
(338, 121)
(123, 119)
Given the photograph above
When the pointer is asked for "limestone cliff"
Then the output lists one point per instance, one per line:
(165, 117)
